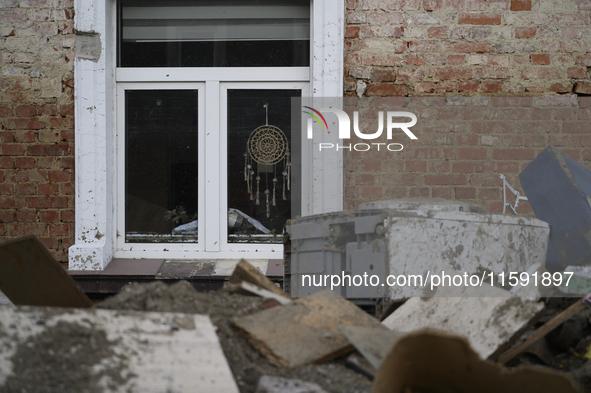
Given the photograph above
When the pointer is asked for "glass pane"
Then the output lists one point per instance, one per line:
(204, 33)
(161, 166)
(260, 175)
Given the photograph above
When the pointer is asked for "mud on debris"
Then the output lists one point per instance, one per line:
(244, 360)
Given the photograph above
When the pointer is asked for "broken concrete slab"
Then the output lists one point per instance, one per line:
(269, 384)
(430, 361)
(30, 275)
(373, 343)
(105, 350)
(490, 323)
(246, 272)
(558, 189)
(304, 331)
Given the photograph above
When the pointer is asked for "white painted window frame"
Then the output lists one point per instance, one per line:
(96, 123)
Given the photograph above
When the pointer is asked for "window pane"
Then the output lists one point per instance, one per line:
(260, 147)
(202, 33)
(161, 166)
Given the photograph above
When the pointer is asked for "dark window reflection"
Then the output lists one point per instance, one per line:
(249, 221)
(161, 169)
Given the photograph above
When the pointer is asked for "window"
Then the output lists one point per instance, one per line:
(172, 138)
(156, 125)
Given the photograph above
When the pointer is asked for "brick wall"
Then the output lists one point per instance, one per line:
(37, 121)
(464, 143)
(393, 48)
(469, 48)
(494, 47)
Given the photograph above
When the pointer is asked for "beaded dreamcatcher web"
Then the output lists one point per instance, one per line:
(267, 147)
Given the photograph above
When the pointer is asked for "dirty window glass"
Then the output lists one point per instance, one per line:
(161, 172)
(204, 33)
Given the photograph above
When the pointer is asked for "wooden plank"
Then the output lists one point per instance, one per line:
(246, 272)
(490, 322)
(29, 275)
(541, 332)
(305, 330)
(98, 350)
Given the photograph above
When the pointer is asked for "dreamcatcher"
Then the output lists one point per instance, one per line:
(266, 148)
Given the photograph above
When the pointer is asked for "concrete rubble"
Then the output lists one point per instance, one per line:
(252, 337)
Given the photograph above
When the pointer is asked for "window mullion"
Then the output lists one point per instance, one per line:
(213, 174)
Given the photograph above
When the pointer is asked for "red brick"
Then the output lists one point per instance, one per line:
(24, 124)
(59, 230)
(12, 203)
(25, 189)
(454, 179)
(26, 216)
(372, 193)
(25, 162)
(12, 150)
(47, 189)
(67, 163)
(67, 110)
(48, 110)
(491, 87)
(480, 19)
(472, 154)
(47, 150)
(446, 193)
(387, 90)
(6, 189)
(514, 154)
(48, 202)
(520, 5)
(463, 167)
(416, 166)
(456, 59)
(383, 76)
(451, 73)
(508, 167)
(473, 47)
(49, 216)
(58, 176)
(51, 243)
(415, 60)
(494, 193)
(350, 32)
(385, 60)
(437, 32)
(6, 162)
(68, 216)
(576, 73)
(67, 189)
(529, 32)
(543, 59)
(465, 192)
(468, 86)
(6, 216)
(25, 111)
(5, 111)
